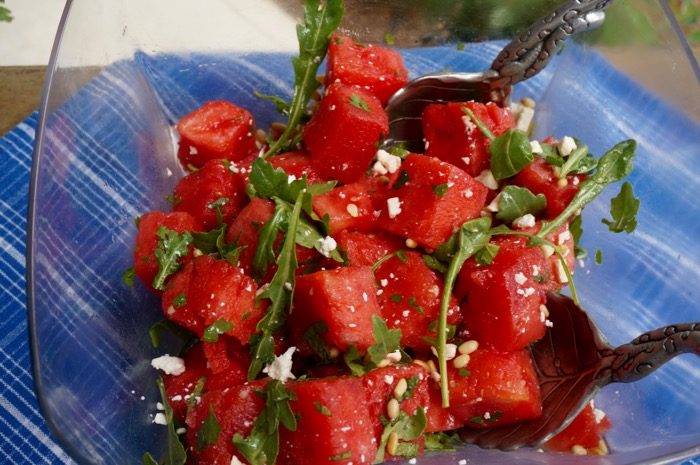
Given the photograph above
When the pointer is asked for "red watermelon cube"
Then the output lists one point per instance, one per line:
(539, 178)
(343, 132)
(367, 248)
(431, 200)
(347, 207)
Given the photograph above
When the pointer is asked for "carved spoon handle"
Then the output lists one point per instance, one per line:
(633, 361)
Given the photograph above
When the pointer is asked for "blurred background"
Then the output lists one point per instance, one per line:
(28, 27)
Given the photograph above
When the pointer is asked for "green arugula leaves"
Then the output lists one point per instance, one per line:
(623, 209)
(515, 202)
(386, 340)
(209, 431)
(261, 447)
(170, 249)
(407, 428)
(321, 19)
(175, 453)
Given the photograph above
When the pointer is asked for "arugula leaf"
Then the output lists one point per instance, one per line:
(262, 444)
(321, 19)
(510, 153)
(573, 160)
(358, 102)
(515, 202)
(206, 241)
(147, 458)
(434, 264)
(386, 340)
(442, 441)
(217, 205)
(400, 254)
(5, 14)
(407, 427)
(128, 276)
(322, 409)
(353, 360)
(441, 189)
(279, 292)
(623, 209)
(213, 331)
(471, 237)
(312, 336)
(281, 105)
(209, 431)
(170, 249)
(175, 454)
(265, 253)
(486, 255)
(613, 166)
(598, 257)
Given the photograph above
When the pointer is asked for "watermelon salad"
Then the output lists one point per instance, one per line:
(343, 301)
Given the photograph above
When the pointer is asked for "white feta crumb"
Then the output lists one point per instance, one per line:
(405, 313)
(193, 150)
(529, 291)
(599, 415)
(365, 297)
(281, 367)
(327, 245)
(291, 178)
(563, 237)
(493, 207)
(389, 379)
(288, 286)
(487, 415)
(469, 125)
(159, 419)
(394, 356)
(181, 431)
(536, 147)
(393, 205)
(234, 459)
(566, 146)
(412, 461)
(525, 221)
(384, 282)
(159, 406)
(524, 118)
(486, 178)
(390, 162)
(378, 168)
(520, 278)
(435, 290)
(466, 160)
(450, 351)
(169, 365)
(548, 324)
(561, 273)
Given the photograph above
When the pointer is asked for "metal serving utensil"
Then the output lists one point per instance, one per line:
(573, 361)
(521, 59)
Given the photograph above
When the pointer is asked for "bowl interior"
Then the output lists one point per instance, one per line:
(106, 153)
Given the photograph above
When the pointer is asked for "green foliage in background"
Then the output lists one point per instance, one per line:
(4, 13)
(688, 14)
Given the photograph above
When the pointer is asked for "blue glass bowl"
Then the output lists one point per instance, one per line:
(122, 74)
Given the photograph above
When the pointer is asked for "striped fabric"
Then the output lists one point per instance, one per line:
(89, 133)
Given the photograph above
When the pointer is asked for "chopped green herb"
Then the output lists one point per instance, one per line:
(486, 255)
(460, 46)
(442, 441)
(353, 360)
(414, 305)
(389, 38)
(213, 331)
(464, 372)
(574, 160)
(180, 300)
(510, 153)
(261, 447)
(128, 276)
(195, 395)
(407, 428)
(322, 409)
(401, 180)
(209, 431)
(599, 257)
(440, 190)
(576, 230)
(170, 249)
(623, 209)
(321, 19)
(175, 452)
(434, 264)
(217, 205)
(343, 456)
(514, 202)
(486, 418)
(172, 200)
(282, 106)
(399, 151)
(400, 254)
(358, 102)
(396, 298)
(313, 337)
(411, 385)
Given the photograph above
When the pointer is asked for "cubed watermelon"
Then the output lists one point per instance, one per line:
(342, 300)
(445, 196)
(586, 431)
(343, 132)
(297, 164)
(502, 307)
(378, 69)
(200, 192)
(333, 424)
(245, 229)
(367, 248)
(347, 207)
(217, 129)
(452, 136)
(539, 178)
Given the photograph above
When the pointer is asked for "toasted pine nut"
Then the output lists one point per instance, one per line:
(527, 102)
(393, 409)
(400, 388)
(579, 450)
(468, 347)
(260, 136)
(411, 244)
(461, 361)
(392, 443)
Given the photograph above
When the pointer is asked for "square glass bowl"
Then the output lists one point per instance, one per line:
(122, 73)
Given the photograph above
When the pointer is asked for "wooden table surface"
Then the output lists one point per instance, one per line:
(20, 92)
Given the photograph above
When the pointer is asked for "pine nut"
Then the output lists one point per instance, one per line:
(384, 363)
(260, 136)
(461, 361)
(579, 450)
(333, 352)
(422, 364)
(562, 182)
(352, 210)
(544, 310)
(392, 443)
(468, 347)
(431, 367)
(603, 447)
(527, 102)
(400, 388)
(393, 409)
(411, 244)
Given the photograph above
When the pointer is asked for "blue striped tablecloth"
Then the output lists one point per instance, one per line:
(24, 438)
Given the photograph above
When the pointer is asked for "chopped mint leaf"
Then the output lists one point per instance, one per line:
(389, 39)
(213, 331)
(322, 409)
(440, 190)
(358, 102)
(599, 257)
(434, 264)
(180, 300)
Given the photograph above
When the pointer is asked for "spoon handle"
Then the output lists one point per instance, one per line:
(530, 52)
(633, 361)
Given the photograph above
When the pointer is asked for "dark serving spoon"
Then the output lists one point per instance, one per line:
(522, 58)
(573, 361)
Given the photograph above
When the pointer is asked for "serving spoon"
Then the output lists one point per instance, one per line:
(573, 362)
(521, 59)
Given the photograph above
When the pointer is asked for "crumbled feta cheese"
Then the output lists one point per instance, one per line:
(563, 237)
(547, 250)
(435, 290)
(234, 459)
(487, 415)
(394, 356)
(469, 125)
(561, 273)
(450, 351)
(524, 118)
(494, 205)
(193, 150)
(390, 162)
(281, 367)
(413, 461)
(486, 178)
(388, 379)
(327, 245)
(160, 419)
(466, 160)
(181, 431)
(393, 205)
(520, 278)
(169, 365)
(566, 146)
(599, 415)
(384, 282)
(365, 297)
(548, 324)
(378, 168)
(291, 178)
(524, 222)
(536, 147)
